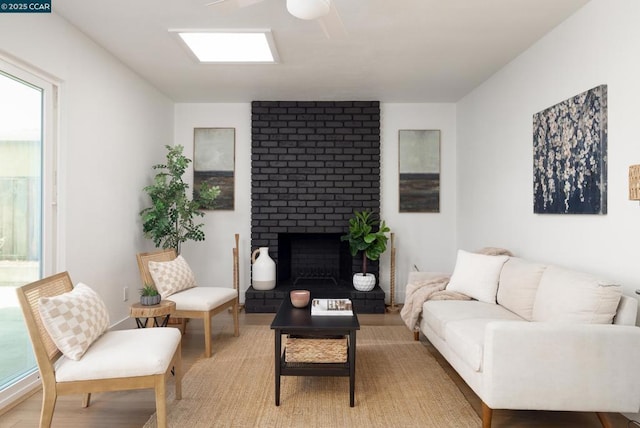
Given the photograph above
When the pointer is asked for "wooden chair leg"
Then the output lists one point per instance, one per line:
(487, 413)
(86, 399)
(177, 369)
(49, 397)
(604, 420)
(161, 401)
(236, 324)
(207, 336)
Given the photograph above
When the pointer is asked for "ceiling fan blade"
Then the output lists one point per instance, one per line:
(332, 24)
(232, 4)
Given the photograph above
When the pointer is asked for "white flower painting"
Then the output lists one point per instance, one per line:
(570, 155)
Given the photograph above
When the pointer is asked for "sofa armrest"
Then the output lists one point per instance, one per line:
(558, 366)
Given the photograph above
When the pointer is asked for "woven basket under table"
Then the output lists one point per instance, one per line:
(312, 350)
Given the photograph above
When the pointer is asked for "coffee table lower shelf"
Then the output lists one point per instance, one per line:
(312, 369)
(345, 369)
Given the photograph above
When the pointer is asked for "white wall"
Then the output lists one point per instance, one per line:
(212, 259)
(113, 127)
(597, 45)
(426, 240)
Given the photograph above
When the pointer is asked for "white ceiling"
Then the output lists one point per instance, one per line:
(395, 51)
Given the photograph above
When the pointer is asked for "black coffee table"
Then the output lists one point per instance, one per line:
(301, 323)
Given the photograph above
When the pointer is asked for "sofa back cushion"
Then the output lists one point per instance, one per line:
(569, 296)
(518, 285)
(477, 275)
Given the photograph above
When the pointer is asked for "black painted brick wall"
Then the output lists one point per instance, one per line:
(313, 163)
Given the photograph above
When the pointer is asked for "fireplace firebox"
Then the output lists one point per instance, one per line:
(313, 260)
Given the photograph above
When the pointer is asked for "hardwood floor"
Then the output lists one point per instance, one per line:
(133, 408)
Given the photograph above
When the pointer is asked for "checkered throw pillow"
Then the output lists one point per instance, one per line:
(74, 320)
(172, 277)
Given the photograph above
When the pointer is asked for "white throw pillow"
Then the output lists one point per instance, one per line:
(477, 275)
(569, 296)
(172, 277)
(74, 320)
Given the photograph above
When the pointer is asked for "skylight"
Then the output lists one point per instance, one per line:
(230, 46)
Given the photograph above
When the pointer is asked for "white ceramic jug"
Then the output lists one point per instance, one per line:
(264, 270)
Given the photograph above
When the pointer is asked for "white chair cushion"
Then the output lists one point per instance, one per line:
(172, 277)
(123, 353)
(519, 282)
(569, 296)
(202, 298)
(477, 275)
(74, 320)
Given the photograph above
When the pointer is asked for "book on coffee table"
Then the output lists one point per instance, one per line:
(335, 307)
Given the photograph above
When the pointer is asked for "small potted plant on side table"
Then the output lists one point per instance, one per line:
(372, 243)
(149, 296)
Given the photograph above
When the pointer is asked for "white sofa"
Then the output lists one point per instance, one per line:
(548, 339)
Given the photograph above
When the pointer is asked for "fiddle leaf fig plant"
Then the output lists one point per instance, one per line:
(169, 221)
(363, 237)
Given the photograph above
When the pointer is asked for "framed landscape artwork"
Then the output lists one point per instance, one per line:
(419, 157)
(570, 155)
(214, 163)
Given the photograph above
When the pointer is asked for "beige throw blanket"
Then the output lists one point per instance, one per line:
(419, 292)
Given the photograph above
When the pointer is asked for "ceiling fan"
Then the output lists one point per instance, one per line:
(323, 11)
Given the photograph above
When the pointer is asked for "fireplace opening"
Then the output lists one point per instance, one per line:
(313, 259)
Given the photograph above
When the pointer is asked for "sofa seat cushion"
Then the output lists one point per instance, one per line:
(123, 353)
(466, 339)
(568, 296)
(202, 298)
(438, 313)
(518, 285)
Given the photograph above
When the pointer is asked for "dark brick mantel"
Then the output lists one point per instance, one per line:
(313, 163)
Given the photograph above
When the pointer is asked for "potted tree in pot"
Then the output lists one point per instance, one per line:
(372, 243)
(169, 221)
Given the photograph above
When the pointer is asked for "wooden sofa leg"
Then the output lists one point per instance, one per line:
(416, 335)
(604, 420)
(487, 413)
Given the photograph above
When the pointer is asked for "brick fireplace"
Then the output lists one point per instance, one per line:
(313, 164)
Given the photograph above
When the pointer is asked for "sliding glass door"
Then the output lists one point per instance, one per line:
(25, 104)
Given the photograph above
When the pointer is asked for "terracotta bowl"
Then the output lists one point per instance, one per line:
(299, 298)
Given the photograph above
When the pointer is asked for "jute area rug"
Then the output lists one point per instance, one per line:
(398, 383)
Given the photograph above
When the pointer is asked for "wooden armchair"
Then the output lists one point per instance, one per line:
(116, 360)
(198, 302)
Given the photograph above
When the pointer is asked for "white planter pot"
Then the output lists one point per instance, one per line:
(363, 282)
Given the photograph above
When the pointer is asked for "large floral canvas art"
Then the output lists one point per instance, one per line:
(570, 155)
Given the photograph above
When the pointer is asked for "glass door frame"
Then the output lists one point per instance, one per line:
(49, 227)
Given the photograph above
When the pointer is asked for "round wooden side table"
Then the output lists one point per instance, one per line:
(144, 313)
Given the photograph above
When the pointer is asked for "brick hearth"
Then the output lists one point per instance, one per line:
(312, 165)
